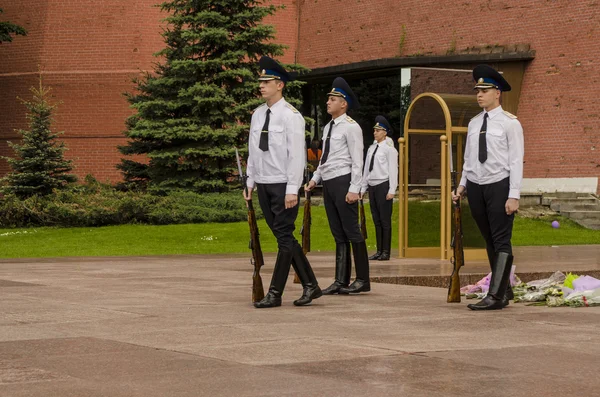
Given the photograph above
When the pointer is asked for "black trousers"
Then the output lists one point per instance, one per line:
(487, 203)
(342, 217)
(381, 209)
(271, 198)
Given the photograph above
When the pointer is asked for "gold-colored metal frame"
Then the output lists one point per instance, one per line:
(461, 105)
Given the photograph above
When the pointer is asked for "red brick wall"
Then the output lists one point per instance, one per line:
(89, 50)
(557, 106)
(286, 26)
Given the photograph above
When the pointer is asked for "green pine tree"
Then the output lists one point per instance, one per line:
(7, 29)
(195, 108)
(39, 167)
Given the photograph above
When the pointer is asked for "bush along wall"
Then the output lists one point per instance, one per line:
(95, 204)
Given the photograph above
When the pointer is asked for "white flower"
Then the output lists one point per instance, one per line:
(18, 232)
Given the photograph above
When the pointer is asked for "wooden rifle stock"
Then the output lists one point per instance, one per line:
(458, 255)
(363, 220)
(306, 222)
(305, 230)
(257, 260)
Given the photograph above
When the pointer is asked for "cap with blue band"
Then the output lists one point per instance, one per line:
(340, 88)
(382, 123)
(272, 70)
(341, 93)
(487, 77)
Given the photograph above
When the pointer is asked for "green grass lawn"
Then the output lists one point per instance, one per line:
(211, 238)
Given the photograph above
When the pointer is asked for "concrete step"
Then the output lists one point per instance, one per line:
(548, 200)
(530, 200)
(575, 215)
(570, 206)
(565, 195)
(470, 278)
(593, 224)
(557, 204)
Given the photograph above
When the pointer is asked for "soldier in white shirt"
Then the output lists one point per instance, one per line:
(380, 177)
(276, 162)
(340, 169)
(492, 175)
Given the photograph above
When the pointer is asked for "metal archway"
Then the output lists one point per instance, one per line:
(457, 111)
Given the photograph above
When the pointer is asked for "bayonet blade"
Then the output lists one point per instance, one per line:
(239, 163)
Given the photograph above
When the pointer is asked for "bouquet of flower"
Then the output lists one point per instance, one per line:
(555, 301)
(557, 290)
(584, 298)
(539, 290)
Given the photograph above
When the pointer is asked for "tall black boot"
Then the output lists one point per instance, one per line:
(378, 234)
(280, 275)
(307, 277)
(498, 284)
(510, 295)
(362, 282)
(342, 269)
(387, 245)
(491, 254)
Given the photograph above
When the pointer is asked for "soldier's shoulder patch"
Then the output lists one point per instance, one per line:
(350, 119)
(479, 114)
(293, 109)
(512, 116)
(389, 142)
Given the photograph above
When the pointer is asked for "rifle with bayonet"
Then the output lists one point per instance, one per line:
(363, 219)
(306, 221)
(458, 255)
(257, 261)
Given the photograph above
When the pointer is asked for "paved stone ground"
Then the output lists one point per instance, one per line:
(184, 326)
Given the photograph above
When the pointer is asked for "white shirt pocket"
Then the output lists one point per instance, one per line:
(497, 132)
(337, 142)
(276, 137)
(254, 136)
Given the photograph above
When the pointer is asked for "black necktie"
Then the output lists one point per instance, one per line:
(264, 134)
(373, 159)
(483, 140)
(326, 148)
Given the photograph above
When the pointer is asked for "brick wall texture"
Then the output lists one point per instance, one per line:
(88, 52)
